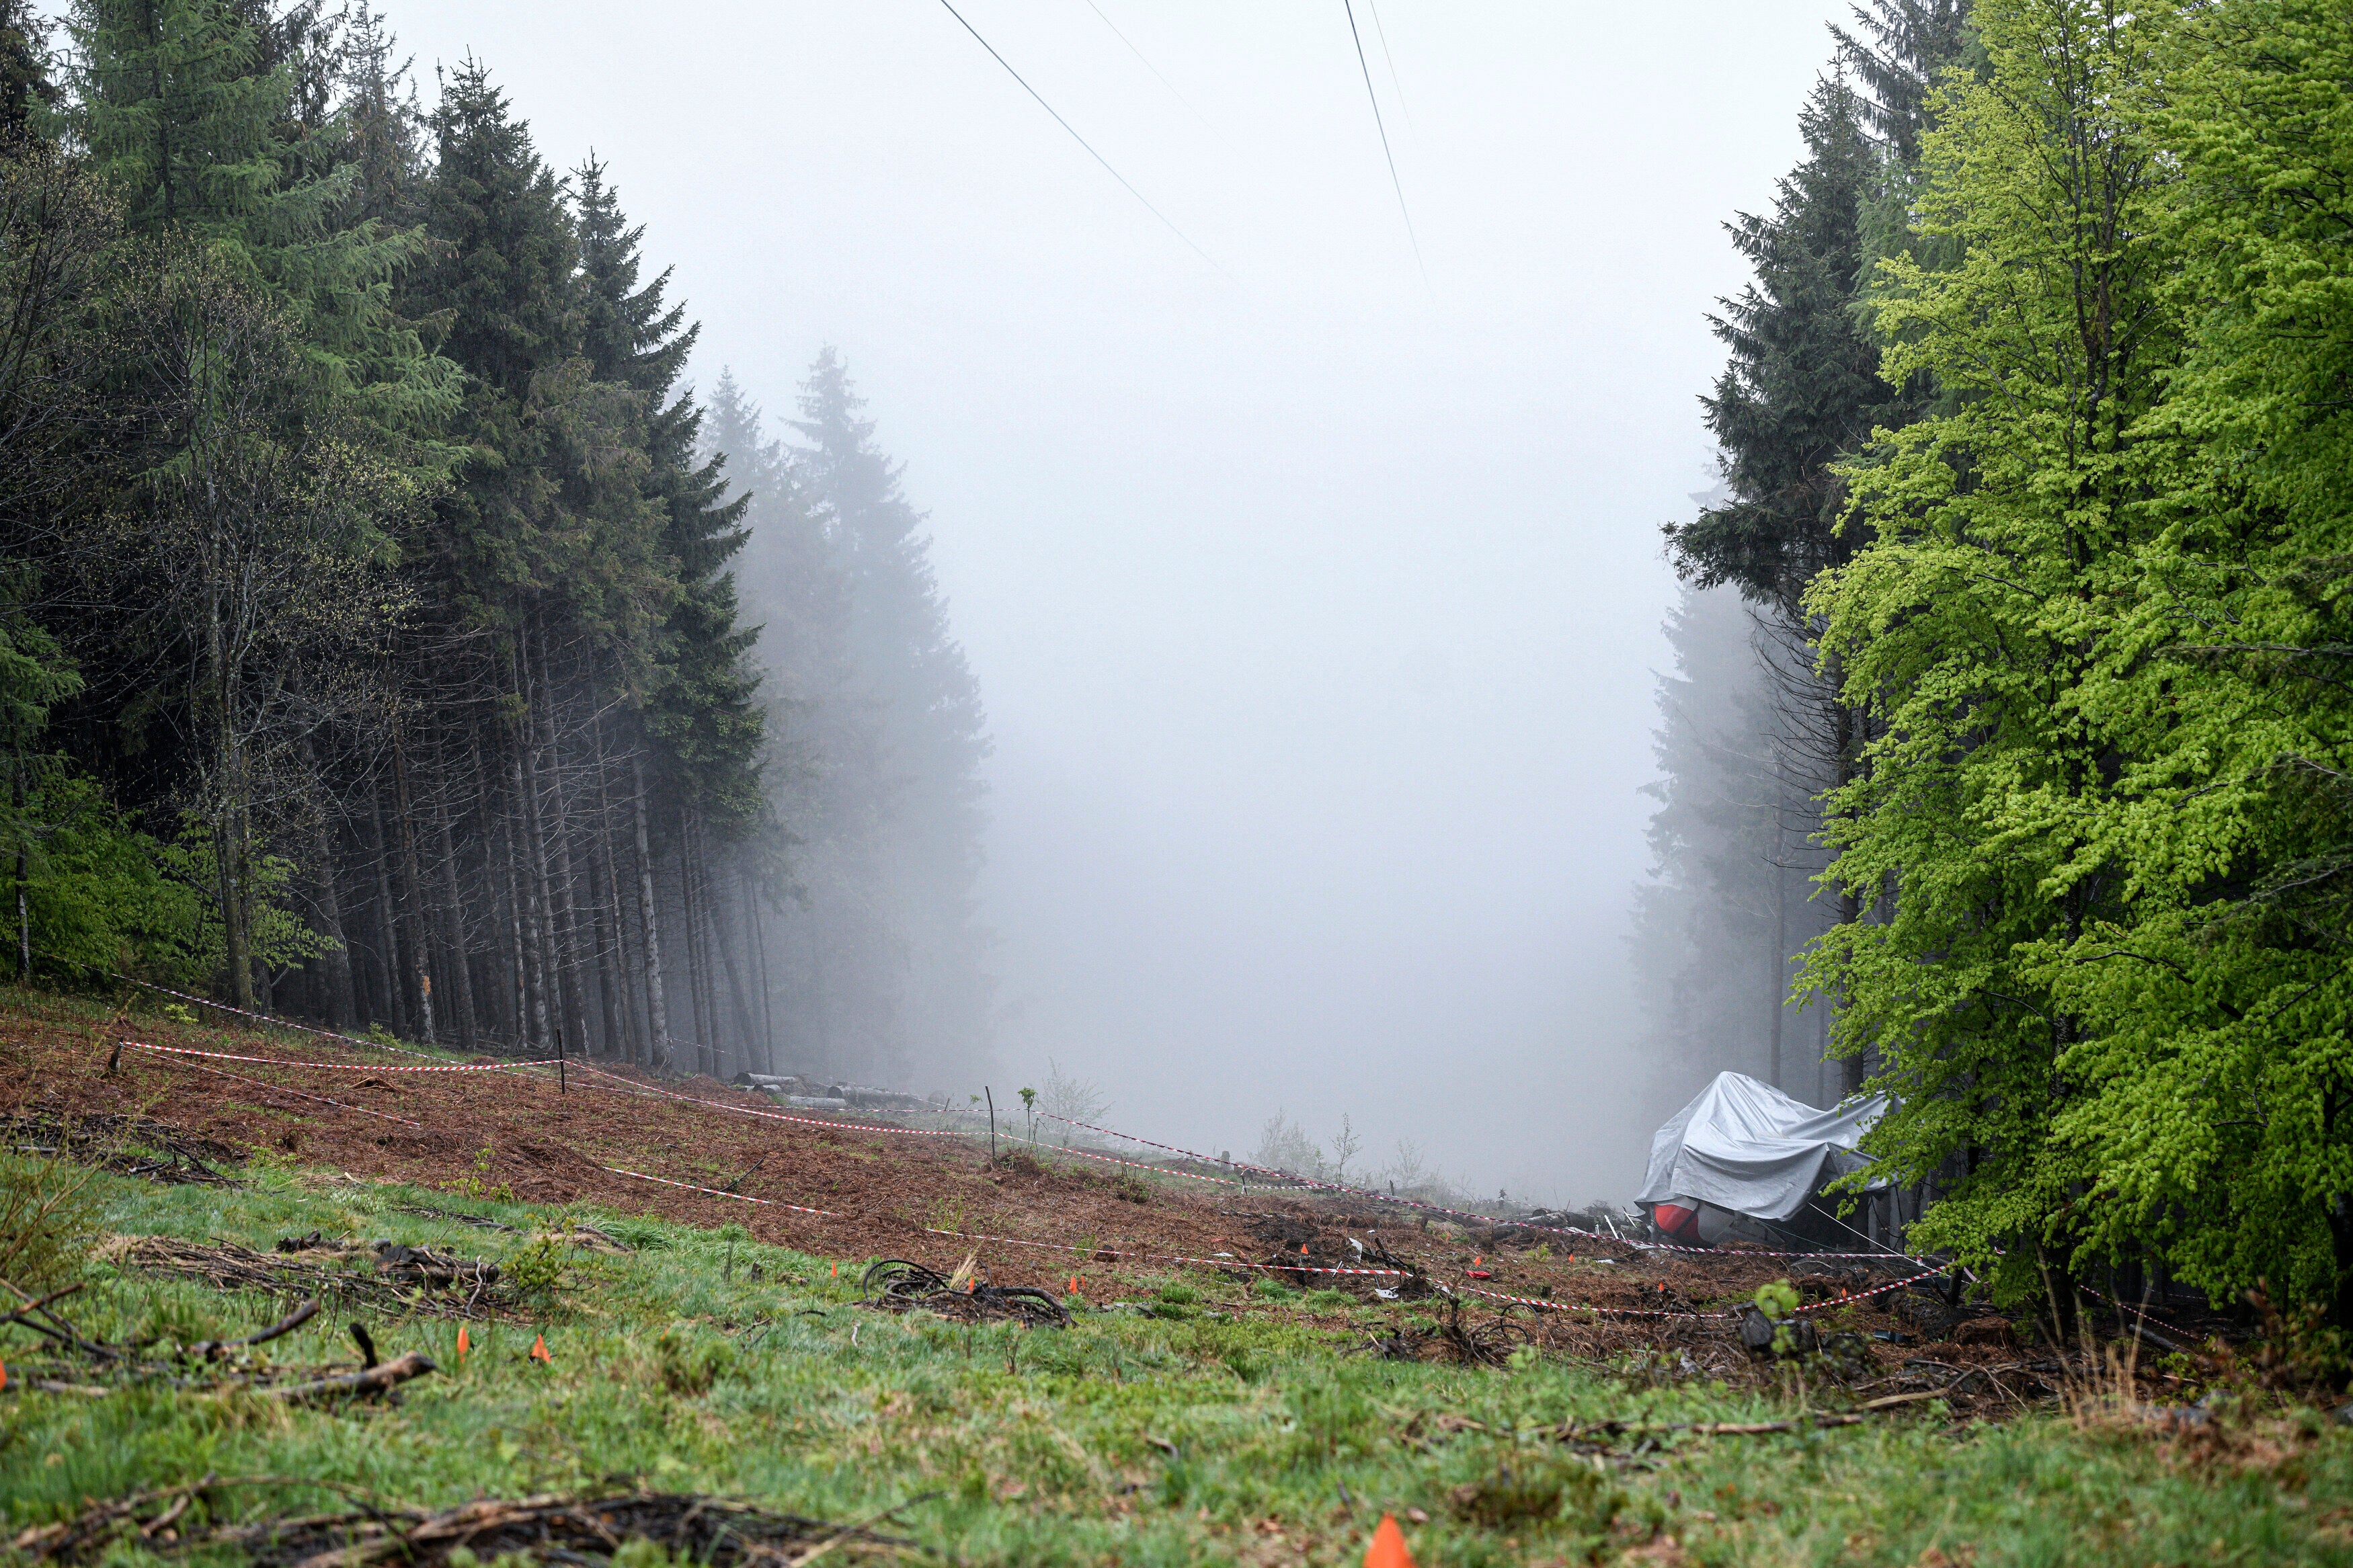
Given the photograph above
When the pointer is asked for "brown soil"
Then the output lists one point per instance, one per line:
(890, 1192)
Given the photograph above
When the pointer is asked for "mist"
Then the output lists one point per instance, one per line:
(1316, 608)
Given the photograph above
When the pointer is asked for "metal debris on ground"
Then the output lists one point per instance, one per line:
(898, 1285)
(1467, 1344)
(718, 1532)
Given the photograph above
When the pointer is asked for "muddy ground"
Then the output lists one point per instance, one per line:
(890, 1193)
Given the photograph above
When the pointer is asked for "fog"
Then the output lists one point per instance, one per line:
(1316, 607)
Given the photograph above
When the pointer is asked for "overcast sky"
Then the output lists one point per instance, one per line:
(1317, 609)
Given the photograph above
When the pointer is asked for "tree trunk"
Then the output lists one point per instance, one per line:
(625, 1041)
(420, 957)
(230, 854)
(561, 915)
(1780, 989)
(760, 953)
(387, 923)
(453, 919)
(649, 922)
(532, 874)
(517, 999)
(340, 1005)
(606, 949)
(697, 1003)
(734, 979)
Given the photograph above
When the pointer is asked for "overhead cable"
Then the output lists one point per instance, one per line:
(1081, 140)
(1155, 69)
(1395, 80)
(1373, 99)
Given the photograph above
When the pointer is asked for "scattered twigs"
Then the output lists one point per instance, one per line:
(22, 1312)
(206, 1350)
(56, 1327)
(1490, 1343)
(394, 1280)
(456, 1217)
(88, 1533)
(128, 1145)
(717, 1531)
(863, 1526)
(1571, 1432)
(1469, 1343)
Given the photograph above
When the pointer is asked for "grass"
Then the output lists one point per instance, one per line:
(1214, 1426)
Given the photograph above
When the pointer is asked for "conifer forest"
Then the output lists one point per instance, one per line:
(392, 637)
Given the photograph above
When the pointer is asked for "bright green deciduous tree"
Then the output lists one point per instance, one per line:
(2210, 1096)
(1983, 626)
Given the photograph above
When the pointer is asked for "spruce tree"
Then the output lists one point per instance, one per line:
(1802, 388)
(921, 786)
(190, 111)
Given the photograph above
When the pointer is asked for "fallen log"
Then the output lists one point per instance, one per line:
(372, 1380)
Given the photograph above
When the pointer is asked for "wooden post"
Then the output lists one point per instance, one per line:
(992, 1124)
(561, 1086)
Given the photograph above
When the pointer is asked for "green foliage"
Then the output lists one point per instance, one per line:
(690, 1363)
(280, 937)
(538, 1267)
(2101, 621)
(1776, 1300)
(181, 110)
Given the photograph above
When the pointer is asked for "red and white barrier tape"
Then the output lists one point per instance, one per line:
(1131, 1165)
(715, 1191)
(2146, 1317)
(298, 1094)
(270, 1019)
(1095, 1252)
(1548, 1304)
(1854, 1295)
(1280, 1178)
(332, 1066)
(636, 1087)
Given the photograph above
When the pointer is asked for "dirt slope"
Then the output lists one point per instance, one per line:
(888, 1193)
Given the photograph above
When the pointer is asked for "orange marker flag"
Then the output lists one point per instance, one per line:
(837, 1269)
(1074, 1284)
(3, 1374)
(539, 1351)
(1388, 1550)
(464, 1344)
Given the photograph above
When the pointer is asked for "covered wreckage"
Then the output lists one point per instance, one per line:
(1744, 1148)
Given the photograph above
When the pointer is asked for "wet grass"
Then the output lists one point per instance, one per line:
(1205, 1425)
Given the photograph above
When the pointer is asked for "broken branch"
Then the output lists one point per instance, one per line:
(372, 1379)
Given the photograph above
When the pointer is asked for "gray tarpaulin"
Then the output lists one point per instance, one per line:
(1745, 1146)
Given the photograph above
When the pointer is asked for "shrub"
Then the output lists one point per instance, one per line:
(49, 1216)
